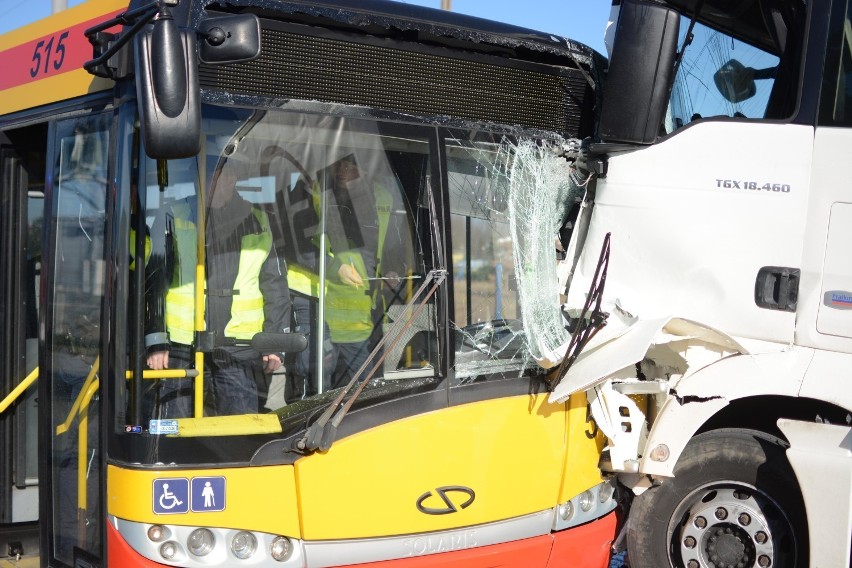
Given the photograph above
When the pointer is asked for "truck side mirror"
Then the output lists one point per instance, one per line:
(640, 73)
(167, 90)
(735, 81)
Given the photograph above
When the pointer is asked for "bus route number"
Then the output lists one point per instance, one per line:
(48, 52)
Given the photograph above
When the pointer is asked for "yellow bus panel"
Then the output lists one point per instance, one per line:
(491, 460)
(587, 443)
(257, 498)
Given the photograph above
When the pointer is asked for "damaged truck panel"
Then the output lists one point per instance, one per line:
(699, 397)
(688, 245)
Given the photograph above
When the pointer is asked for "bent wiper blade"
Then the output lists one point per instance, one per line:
(587, 328)
(321, 434)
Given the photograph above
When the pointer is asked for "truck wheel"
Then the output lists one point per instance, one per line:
(734, 502)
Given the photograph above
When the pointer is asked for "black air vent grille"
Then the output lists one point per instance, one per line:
(294, 66)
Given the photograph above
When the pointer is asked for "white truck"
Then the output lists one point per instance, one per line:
(722, 190)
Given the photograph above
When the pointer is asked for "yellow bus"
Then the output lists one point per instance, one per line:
(270, 290)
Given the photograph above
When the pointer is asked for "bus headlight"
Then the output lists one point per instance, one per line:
(566, 510)
(243, 545)
(280, 549)
(606, 492)
(200, 542)
(156, 533)
(168, 550)
(586, 500)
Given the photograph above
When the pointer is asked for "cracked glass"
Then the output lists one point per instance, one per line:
(508, 200)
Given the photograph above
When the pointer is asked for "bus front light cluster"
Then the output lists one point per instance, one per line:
(589, 505)
(206, 547)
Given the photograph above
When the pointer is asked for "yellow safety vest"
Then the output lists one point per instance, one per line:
(348, 310)
(246, 307)
(302, 280)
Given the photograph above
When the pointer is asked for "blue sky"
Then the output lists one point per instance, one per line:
(581, 20)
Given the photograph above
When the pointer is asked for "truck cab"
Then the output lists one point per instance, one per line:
(723, 211)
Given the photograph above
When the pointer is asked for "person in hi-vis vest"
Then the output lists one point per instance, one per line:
(246, 293)
(357, 214)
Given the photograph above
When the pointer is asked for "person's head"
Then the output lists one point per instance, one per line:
(225, 182)
(346, 169)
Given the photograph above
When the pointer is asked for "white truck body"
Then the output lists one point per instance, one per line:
(710, 225)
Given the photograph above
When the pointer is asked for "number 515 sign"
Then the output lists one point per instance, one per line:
(47, 56)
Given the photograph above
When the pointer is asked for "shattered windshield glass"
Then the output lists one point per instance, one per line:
(508, 201)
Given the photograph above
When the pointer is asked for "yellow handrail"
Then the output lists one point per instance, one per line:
(18, 390)
(62, 428)
(83, 444)
(81, 408)
(164, 374)
(147, 374)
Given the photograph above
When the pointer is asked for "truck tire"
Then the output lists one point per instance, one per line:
(734, 501)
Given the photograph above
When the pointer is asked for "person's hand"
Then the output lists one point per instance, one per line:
(349, 275)
(158, 360)
(271, 363)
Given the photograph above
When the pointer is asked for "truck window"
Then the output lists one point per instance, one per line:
(711, 54)
(836, 107)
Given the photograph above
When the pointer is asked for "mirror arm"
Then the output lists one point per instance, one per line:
(768, 73)
(138, 17)
(145, 12)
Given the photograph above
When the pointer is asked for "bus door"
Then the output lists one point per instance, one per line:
(22, 153)
(75, 282)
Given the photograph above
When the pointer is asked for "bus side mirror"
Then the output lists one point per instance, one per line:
(640, 73)
(167, 90)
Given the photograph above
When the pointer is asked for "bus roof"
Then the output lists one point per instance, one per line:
(43, 61)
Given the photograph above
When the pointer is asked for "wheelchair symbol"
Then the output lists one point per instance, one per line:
(170, 498)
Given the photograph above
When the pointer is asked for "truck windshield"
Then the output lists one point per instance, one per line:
(714, 58)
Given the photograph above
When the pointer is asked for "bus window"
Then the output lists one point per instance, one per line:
(509, 202)
(487, 322)
(74, 342)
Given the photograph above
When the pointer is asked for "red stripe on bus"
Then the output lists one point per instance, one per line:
(48, 56)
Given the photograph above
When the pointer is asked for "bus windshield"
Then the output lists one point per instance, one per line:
(284, 221)
(327, 228)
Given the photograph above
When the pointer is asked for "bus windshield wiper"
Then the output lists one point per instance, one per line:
(592, 318)
(321, 434)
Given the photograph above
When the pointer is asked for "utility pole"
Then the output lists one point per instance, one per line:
(59, 5)
(445, 5)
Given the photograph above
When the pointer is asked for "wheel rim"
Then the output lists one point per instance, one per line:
(729, 524)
